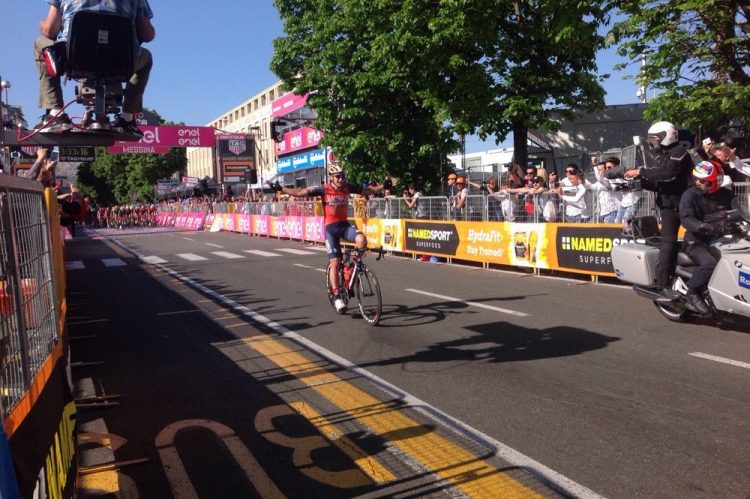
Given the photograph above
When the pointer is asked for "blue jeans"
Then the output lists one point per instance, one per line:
(609, 218)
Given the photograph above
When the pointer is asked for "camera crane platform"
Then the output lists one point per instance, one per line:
(68, 137)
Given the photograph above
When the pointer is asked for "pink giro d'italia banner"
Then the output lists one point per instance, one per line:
(287, 103)
(244, 222)
(278, 227)
(157, 139)
(296, 227)
(299, 139)
(314, 229)
(261, 225)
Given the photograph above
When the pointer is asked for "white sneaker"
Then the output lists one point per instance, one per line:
(339, 304)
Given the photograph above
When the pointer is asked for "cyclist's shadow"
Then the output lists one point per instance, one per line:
(429, 313)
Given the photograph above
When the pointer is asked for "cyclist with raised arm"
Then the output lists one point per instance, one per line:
(335, 197)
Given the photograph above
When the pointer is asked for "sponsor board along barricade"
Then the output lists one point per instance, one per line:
(577, 248)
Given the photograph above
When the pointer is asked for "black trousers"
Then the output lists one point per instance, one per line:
(670, 225)
(706, 260)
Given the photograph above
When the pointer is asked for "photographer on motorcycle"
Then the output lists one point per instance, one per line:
(702, 199)
(669, 178)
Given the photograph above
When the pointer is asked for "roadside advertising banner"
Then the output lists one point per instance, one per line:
(314, 229)
(261, 225)
(392, 235)
(431, 237)
(278, 227)
(295, 227)
(244, 222)
(217, 223)
(181, 220)
(41, 433)
(208, 222)
(586, 248)
(229, 222)
(372, 229)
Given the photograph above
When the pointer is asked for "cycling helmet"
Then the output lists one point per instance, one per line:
(335, 169)
(662, 133)
(710, 174)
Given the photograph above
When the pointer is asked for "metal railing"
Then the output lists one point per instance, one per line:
(547, 206)
(29, 315)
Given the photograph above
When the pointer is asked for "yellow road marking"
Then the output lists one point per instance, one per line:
(368, 464)
(448, 460)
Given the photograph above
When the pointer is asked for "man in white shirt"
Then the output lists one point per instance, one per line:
(572, 192)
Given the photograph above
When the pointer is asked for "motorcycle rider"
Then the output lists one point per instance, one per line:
(705, 197)
(669, 177)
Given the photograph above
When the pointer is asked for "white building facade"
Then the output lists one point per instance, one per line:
(252, 117)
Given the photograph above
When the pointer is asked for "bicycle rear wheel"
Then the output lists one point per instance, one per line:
(367, 291)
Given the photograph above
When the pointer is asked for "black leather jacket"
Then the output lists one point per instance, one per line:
(670, 175)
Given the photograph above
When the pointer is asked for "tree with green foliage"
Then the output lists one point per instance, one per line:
(395, 83)
(696, 54)
(543, 64)
(121, 178)
(372, 72)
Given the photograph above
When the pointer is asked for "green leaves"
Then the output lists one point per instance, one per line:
(112, 178)
(396, 83)
(695, 54)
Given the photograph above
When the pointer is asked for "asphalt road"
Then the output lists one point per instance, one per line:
(586, 380)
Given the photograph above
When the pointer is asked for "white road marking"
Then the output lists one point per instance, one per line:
(179, 312)
(304, 266)
(153, 259)
(75, 265)
(318, 248)
(503, 451)
(214, 245)
(260, 253)
(113, 262)
(191, 257)
(226, 254)
(317, 269)
(472, 303)
(295, 251)
(723, 360)
(188, 239)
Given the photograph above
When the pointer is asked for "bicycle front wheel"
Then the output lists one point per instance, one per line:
(367, 291)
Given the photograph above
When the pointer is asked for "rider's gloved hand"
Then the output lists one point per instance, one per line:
(707, 229)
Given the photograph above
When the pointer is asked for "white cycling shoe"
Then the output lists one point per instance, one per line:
(339, 304)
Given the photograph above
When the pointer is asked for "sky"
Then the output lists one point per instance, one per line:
(209, 56)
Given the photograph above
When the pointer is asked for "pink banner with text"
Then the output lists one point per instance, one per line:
(299, 139)
(287, 103)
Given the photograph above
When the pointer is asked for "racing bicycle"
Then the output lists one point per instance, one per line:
(360, 282)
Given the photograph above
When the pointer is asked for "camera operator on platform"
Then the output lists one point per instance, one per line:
(669, 177)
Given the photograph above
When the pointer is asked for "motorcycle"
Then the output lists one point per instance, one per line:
(728, 292)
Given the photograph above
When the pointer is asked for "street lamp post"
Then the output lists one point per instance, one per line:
(4, 109)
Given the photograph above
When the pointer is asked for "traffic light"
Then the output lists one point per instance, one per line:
(276, 130)
(251, 176)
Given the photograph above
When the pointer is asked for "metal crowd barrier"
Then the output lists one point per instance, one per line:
(29, 305)
(511, 207)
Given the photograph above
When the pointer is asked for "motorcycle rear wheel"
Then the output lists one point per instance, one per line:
(673, 312)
